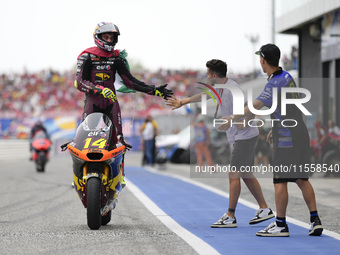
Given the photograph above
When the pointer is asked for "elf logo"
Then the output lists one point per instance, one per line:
(103, 67)
(94, 133)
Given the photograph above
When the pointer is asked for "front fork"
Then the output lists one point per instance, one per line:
(108, 201)
(86, 174)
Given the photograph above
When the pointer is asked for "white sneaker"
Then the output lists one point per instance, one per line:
(225, 222)
(274, 230)
(316, 228)
(262, 215)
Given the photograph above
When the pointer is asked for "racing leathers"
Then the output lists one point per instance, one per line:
(96, 70)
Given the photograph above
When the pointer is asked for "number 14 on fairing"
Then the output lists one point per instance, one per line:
(100, 143)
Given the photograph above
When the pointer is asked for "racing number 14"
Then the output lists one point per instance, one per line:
(100, 143)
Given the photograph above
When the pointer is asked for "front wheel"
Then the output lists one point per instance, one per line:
(106, 218)
(94, 217)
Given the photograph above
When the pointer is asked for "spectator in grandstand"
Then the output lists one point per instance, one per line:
(52, 92)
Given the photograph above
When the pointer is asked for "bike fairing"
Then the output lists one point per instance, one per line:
(40, 146)
(93, 136)
(95, 156)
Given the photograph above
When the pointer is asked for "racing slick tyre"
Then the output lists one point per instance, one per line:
(106, 218)
(40, 168)
(41, 161)
(93, 195)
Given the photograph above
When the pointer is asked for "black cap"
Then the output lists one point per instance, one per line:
(269, 52)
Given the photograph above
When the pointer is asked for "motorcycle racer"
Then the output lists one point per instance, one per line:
(38, 126)
(96, 71)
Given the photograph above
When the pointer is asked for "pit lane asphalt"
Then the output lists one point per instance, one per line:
(42, 214)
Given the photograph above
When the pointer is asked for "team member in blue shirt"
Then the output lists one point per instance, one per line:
(291, 144)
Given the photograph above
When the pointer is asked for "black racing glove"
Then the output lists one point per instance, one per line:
(122, 141)
(162, 92)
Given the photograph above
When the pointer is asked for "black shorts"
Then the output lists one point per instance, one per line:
(243, 153)
(289, 163)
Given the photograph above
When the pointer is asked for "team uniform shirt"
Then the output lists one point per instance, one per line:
(233, 133)
(283, 136)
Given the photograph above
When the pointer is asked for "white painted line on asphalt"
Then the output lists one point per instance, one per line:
(196, 243)
(242, 201)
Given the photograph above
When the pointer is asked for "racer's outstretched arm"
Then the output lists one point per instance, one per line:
(135, 84)
(177, 103)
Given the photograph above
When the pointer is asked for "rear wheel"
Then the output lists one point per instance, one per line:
(41, 161)
(40, 168)
(93, 195)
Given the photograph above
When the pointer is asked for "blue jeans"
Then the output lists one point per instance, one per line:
(148, 148)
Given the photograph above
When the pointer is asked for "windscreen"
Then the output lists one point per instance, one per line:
(94, 132)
